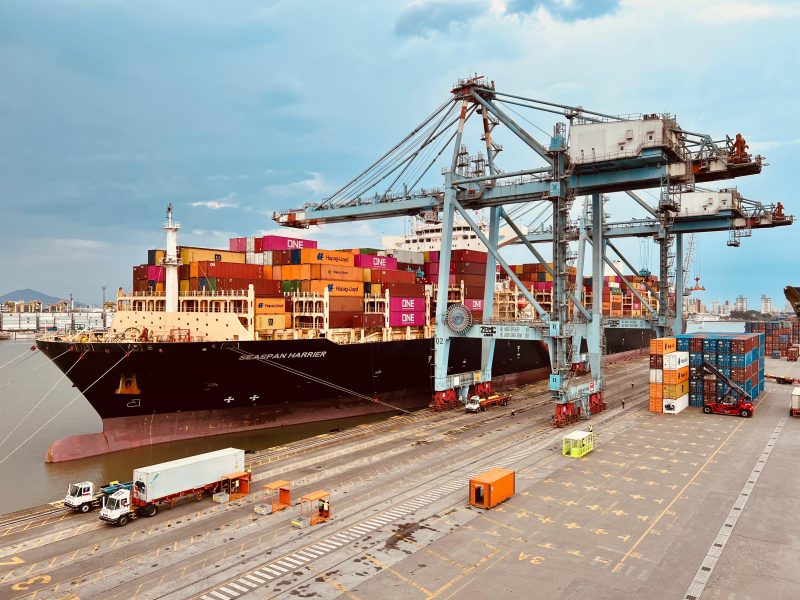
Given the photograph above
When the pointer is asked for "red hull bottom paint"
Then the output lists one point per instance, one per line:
(124, 433)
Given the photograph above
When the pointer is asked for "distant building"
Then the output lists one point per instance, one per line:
(19, 306)
(741, 304)
(60, 306)
(714, 307)
(725, 309)
(766, 305)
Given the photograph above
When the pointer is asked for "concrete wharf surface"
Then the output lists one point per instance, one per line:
(667, 506)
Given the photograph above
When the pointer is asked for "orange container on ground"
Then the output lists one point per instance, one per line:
(678, 376)
(491, 488)
(656, 406)
(663, 345)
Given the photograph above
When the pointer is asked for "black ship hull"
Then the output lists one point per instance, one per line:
(161, 392)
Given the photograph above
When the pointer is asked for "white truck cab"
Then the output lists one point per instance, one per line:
(80, 496)
(117, 508)
(473, 405)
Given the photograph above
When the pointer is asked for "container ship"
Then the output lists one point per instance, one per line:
(275, 331)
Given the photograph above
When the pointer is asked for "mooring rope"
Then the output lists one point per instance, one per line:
(35, 406)
(319, 380)
(65, 407)
(34, 369)
(4, 365)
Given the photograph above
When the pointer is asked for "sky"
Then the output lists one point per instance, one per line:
(232, 111)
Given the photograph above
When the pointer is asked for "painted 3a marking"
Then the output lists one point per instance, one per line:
(22, 586)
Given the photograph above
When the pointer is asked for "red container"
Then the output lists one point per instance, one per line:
(140, 273)
(543, 286)
(373, 261)
(368, 320)
(156, 273)
(406, 290)
(258, 245)
(277, 242)
(474, 256)
(407, 304)
(473, 291)
(338, 320)
(237, 244)
(386, 276)
(474, 304)
(469, 268)
(406, 318)
(229, 270)
(471, 280)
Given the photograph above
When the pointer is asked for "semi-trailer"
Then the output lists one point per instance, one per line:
(476, 403)
(167, 482)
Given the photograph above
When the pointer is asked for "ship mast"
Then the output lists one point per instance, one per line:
(171, 262)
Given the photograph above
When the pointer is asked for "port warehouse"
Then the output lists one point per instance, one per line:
(678, 378)
(365, 287)
(55, 321)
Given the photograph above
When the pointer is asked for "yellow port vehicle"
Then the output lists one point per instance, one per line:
(578, 443)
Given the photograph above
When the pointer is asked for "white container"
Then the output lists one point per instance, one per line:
(796, 398)
(267, 254)
(656, 376)
(176, 476)
(673, 407)
(676, 360)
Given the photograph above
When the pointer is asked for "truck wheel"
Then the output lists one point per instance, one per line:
(707, 410)
(85, 507)
(744, 413)
(123, 520)
(150, 510)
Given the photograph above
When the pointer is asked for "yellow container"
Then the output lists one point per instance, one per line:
(676, 390)
(267, 322)
(190, 254)
(183, 285)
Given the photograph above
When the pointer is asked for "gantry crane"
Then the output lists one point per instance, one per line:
(605, 153)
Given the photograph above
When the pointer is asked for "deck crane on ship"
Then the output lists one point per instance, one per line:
(597, 154)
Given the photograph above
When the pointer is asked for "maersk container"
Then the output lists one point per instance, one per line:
(174, 477)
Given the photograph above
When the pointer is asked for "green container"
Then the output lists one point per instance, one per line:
(290, 285)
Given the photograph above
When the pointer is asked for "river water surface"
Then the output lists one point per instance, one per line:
(25, 407)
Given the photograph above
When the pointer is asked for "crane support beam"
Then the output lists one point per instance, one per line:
(633, 269)
(542, 261)
(641, 202)
(627, 283)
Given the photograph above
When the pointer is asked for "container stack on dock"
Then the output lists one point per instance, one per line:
(779, 335)
(676, 368)
(669, 376)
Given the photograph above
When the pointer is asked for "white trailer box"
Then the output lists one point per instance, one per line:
(694, 204)
(615, 140)
(676, 360)
(656, 376)
(796, 398)
(176, 476)
(673, 407)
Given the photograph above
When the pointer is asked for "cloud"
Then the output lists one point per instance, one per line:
(76, 244)
(564, 10)
(314, 185)
(217, 204)
(725, 13)
(421, 19)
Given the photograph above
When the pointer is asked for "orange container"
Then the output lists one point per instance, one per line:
(336, 273)
(491, 488)
(675, 390)
(656, 391)
(679, 376)
(335, 288)
(315, 256)
(270, 306)
(656, 406)
(663, 345)
(294, 272)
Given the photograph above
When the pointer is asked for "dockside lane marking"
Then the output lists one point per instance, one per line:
(703, 574)
(646, 532)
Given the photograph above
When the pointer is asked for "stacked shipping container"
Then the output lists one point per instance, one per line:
(677, 377)
(779, 336)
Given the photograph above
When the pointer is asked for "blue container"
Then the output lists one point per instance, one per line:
(776, 354)
(710, 359)
(709, 345)
(724, 360)
(695, 359)
(682, 344)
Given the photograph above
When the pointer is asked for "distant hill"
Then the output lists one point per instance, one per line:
(28, 295)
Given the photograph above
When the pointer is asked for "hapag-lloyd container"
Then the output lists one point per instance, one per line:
(277, 242)
(407, 304)
(406, 318)
(675, 360)
(373, 261)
